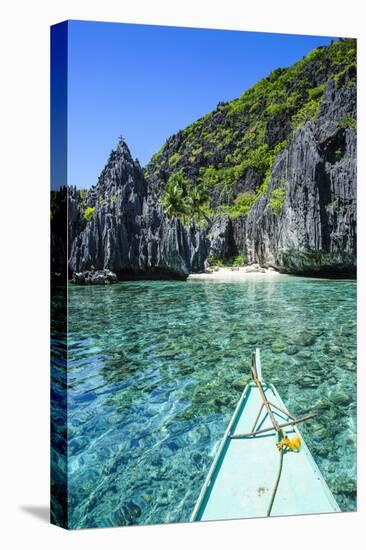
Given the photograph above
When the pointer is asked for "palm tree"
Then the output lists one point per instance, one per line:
(198, 197)
(173, 198)
(183, 201)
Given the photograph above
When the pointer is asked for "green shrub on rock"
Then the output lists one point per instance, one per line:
(242, 204)
(88, 213)
(233, 261)
(277, 199)
(348, 122)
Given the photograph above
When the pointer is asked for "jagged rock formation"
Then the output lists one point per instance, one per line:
(315, 229)
(118, 225)
(278, 166)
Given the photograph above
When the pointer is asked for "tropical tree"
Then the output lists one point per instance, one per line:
(173, 199)
(198, 200)
(182, 200)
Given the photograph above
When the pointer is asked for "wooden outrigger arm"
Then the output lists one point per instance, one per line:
(290, 423)
(268, 406)
(262, 394)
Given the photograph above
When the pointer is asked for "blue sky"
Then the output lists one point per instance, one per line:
(147, 82)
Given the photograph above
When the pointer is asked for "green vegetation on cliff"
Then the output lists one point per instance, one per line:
(88, 213)
(227, 155)
(277, 199)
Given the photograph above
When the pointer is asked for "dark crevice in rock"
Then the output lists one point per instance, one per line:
(322, 179)
(334, 148)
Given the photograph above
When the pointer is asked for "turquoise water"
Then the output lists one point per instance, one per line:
(156, 369)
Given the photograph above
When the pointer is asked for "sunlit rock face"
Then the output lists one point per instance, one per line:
(315, 229)
(279, 164)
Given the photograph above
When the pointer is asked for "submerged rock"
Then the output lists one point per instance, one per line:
(278, 347)
(343, 483)
(340, 398)
(131, 512)
(308, 381)
(240, 383)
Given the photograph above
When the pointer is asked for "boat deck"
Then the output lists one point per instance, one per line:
(242, 477)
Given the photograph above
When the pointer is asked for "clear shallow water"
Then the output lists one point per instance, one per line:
(156, 369)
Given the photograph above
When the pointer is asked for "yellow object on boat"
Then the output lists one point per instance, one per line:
(291, 444)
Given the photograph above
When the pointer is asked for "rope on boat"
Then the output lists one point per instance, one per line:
(284, 445)
(282, 452)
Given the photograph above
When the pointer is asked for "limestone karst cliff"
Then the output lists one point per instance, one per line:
(270, 176)
(119, 225)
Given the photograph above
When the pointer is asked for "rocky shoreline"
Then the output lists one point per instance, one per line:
(94, 277)
(107, 277)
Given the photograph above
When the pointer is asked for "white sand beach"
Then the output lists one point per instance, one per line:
(234, 273)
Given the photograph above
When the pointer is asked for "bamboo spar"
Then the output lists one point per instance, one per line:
(265, 403)
(262, 394)
(264, 430)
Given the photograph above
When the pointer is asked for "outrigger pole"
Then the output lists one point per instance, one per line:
(265, 403)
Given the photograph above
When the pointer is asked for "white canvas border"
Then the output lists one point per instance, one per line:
(24, 273)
